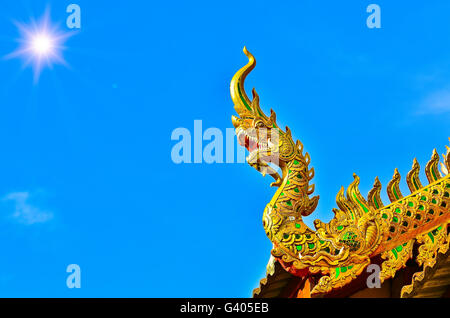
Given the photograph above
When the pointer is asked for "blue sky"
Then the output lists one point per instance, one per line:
(86, 172)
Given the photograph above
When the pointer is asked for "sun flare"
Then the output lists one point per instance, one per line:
(41, 44)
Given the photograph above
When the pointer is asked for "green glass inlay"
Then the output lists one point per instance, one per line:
(340, 227)
(395, 193)
(395, 253)
(299, 176)
(397, 210)
(384, 216)
(434, 174)
(297, 225)
(434, 201)
(376, 203)
(399, 248)
(286, 236)
(362, 205)
(337, 272)
(296, 162)
(310, 246)
(415, 184)
(421, 208)
(431, 237)
(395, 219)
(410, 204)
(242, 98)
(299, 247)
(289, 203)
(343, 269)
(423, 198)
(296, 190)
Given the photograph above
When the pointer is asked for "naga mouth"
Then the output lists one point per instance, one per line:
(255, 147)
(251, 142)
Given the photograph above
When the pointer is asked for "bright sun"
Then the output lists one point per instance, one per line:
(41, 44)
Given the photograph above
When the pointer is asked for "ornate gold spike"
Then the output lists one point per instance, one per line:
(241, 101)
(307, 159)
(299, 145)
(446, 169)
(273, 116)
(345, 205)
(373, 197)
(311, 189)
(412, 178)
(393, 189)
(431, 169)
(447, 160)
(356, 198)
(395, 259)
(311, 173)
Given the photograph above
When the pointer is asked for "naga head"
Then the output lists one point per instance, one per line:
(260, 134)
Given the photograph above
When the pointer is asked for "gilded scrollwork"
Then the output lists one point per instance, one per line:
(395, 259)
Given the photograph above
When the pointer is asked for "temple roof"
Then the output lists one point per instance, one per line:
(415, 281)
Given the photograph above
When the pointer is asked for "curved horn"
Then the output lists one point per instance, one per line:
(242, 103)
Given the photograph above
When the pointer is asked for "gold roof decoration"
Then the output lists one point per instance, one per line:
(363, 228)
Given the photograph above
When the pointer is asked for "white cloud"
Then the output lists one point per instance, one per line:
(436, 103)
(25, 212)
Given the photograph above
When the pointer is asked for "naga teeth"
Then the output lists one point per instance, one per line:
(260, 145)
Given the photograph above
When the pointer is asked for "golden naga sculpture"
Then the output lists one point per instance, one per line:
(362, 229)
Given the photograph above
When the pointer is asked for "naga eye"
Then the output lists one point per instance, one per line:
(260, 124)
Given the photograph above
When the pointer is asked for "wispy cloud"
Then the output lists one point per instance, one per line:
(24, 211)
(436, 103)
